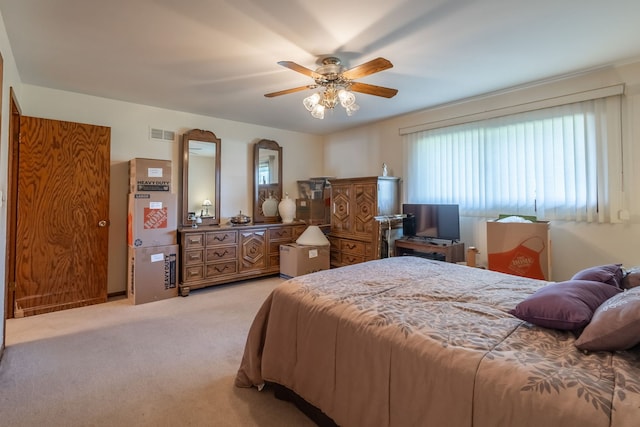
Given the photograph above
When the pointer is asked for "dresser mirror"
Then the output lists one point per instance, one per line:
(200, 178)
(267, 181)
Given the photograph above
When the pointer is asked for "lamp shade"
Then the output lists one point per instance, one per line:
(313, 236)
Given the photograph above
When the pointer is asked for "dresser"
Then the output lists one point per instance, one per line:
(355, 204)
(214, 255)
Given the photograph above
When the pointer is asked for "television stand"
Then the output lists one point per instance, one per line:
(431, 249)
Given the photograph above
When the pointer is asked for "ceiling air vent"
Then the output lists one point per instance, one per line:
(156, 134)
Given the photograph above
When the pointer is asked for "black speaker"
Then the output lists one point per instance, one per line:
(409, 225)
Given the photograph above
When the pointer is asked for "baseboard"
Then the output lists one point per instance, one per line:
(118, 294)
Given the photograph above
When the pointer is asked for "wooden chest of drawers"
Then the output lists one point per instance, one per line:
(355, 203)
(214, 255)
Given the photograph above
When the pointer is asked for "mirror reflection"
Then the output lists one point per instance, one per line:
(201, 178)
(268, 166)
(267, 180)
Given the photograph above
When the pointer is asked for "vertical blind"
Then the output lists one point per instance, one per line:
(558, 163)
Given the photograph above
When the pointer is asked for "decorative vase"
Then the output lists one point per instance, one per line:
(287, 209)
(270, 206)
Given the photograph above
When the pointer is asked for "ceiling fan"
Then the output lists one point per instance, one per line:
(338, 84)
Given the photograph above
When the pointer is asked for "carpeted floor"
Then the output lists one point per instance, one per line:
(165, 363)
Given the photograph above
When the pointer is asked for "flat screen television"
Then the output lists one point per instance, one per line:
(432, 221)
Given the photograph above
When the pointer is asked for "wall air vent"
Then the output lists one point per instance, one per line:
(156, 134)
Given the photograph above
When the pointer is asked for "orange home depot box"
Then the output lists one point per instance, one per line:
(152, 219)
(296, 260)
(522, 249)
(152, 274)
(149, 175)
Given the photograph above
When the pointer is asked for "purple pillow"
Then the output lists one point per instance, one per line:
(610, 274)
(615, 324)
(564, 305)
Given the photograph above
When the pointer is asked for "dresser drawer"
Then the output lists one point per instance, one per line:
(220, 253)
(274, 247)
(352, 247)
(221, 268)
(193, 240)
(192, 273)
(280, 233)
(348, 259)
(215, 238)
(193, 257)
(298, 230)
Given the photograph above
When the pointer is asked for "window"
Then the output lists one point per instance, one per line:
(558, 163)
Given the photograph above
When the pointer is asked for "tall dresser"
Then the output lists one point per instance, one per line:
(355, 204)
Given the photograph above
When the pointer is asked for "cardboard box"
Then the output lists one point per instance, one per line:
(149, 175)
(152, 219)
(296, 260)
(522, 249)
(313, 211)
(152, 273)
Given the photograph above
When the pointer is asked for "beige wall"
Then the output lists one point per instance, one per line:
(574, 245)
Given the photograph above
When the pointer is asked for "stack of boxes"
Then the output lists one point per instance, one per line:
(152, 223)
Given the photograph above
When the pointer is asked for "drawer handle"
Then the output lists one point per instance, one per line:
(220, 239)
(194, 273)
(280, 233)
(194, 256)
(221, 254)
(350, 246)
(221, 270)
(196, 240)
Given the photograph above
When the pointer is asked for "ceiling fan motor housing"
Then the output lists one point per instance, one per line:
(330, 69)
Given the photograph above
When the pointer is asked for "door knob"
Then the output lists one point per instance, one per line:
(103, 223)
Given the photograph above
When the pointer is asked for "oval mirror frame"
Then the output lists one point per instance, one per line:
(200, 166)
(267, 177)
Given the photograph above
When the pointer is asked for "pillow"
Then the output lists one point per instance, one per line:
(615, 324)
(611, 274)
(564, 305)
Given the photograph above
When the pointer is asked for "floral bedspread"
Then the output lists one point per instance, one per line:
(409, 342)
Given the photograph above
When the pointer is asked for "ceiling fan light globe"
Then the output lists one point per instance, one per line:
(346, 98)
(318, 111)
(351, 109)
(311, 101)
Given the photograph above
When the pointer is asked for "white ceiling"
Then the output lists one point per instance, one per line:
(219, 57)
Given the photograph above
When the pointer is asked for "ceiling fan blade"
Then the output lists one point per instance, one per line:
(286, 91)
(300, 69)
(373, 90)
(371, 67)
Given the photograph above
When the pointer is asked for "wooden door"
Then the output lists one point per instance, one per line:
(12, 210)
(63, 206)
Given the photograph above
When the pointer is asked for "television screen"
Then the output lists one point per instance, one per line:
(435, 221)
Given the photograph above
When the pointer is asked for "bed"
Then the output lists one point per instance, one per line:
(407, 341)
